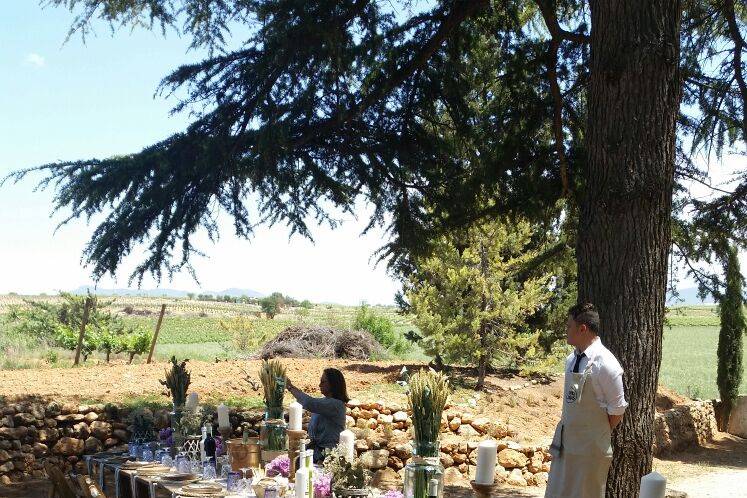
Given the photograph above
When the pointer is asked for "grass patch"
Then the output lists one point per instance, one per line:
(689, 361)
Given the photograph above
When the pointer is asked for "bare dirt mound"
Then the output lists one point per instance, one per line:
(321, 342)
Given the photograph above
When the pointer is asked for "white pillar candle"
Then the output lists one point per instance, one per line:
(295, 416)
(192, 401)
(223, 420)
(653, 485)
(487, 453)
(347, 443)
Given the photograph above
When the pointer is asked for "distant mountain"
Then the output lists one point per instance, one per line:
(233, 292)
(688, 296)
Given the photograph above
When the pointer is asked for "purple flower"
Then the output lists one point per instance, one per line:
(322, 485)
(393, 494)
(166, 436)
(280, 466)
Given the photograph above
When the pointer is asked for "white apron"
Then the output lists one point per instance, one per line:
(581, 447)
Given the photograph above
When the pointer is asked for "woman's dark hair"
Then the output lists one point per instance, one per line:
(337, 384)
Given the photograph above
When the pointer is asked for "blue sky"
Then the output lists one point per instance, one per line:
(72, 100)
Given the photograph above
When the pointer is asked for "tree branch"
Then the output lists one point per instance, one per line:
(460, 11)
(547, 8)
(739, 45)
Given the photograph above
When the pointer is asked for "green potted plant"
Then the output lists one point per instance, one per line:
(427, 398)
(349, 479)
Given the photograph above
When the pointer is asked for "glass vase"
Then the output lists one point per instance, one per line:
(274, 430)
(177, 433)
(424, 475)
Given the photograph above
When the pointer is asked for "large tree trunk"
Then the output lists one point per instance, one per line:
(624, 226)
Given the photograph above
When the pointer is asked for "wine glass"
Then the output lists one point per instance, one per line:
(208, 470)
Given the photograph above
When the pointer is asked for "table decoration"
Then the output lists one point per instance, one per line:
(273, 431)
(427, 397)
(487, 454)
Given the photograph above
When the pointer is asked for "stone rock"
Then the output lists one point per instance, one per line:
(37, 411)
(81, 430)
(100, 430)
(386, 479)
(69, 446)
(395, 463)
(403, 451)
(400, 416)
(515, 478)
(50, 422)
(92, 445)
(481, 424)
(386, 419)
(349, 421)
(467, 418)
(6, 467)
(40, 449)
(446, 460)
(535, 463)
(467, 431)
(361, 445)
(121, 434)
(375, 459)
(91, 416)
(52, 409)
(371, 423)
(452, 477)
(70, 418)
(4, 456)
(354, 403)
(738, 418)
(7, 421)
(23, 419)
(455, 423)
(670, 493)
(511, 459)
(13, 433)
(539, 479)
(5, 481)
(460, 458)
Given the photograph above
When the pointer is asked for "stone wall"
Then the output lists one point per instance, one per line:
(383, 441)
(684, 426)
(36, 431)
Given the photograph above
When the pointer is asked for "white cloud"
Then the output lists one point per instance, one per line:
(34, 59)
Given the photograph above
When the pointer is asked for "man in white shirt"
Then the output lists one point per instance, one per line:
(593, 405)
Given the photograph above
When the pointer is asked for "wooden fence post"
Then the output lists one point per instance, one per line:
(155, 335)
(83, 323)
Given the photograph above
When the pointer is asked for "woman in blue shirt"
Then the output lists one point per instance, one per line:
(327, 413)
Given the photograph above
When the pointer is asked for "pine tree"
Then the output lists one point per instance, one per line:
(472, 296)
(731, 311)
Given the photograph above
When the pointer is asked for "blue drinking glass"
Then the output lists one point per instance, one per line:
(233, 482)
(183, 464)
(133, 449)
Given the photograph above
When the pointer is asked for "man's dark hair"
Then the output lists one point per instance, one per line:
(337, 384)
(587, 314)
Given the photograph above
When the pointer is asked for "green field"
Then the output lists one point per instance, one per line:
(193, 329)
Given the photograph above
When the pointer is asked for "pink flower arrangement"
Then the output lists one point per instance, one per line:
(322, 485)
(279, 466)
(393, 494)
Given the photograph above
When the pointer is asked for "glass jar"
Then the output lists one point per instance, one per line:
(274, 430)
(424, 475)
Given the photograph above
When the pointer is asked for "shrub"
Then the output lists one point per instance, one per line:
(381, 328)
(273, 304)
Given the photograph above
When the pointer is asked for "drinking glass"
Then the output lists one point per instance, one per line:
(133, 449)
(147, 454)
(208, 470)
(233, 482)
(183, 464)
